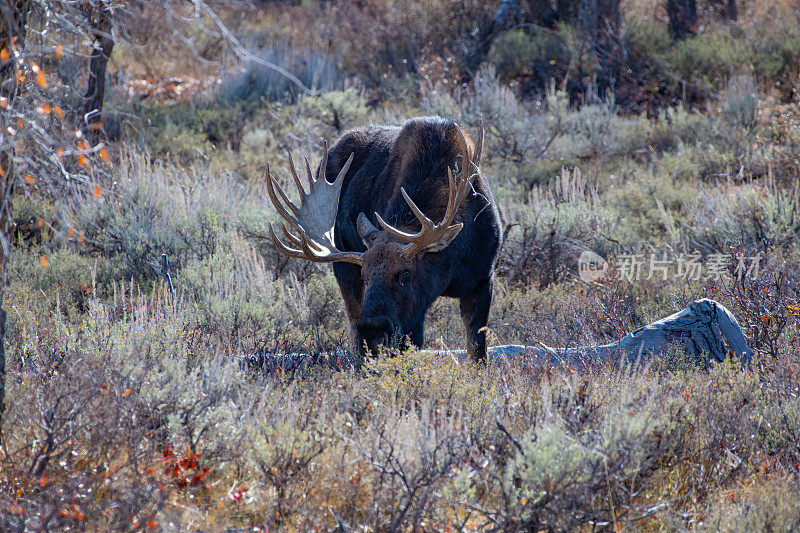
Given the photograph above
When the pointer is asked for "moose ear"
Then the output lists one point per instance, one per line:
(446, 239)
(366, 230)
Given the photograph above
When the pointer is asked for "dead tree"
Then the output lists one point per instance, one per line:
(13, 17)
(705, 331)
(101, 24)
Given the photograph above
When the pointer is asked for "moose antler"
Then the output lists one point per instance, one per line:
(313, 221)
(434, 237)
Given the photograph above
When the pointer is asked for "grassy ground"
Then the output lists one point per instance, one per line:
(128, 409)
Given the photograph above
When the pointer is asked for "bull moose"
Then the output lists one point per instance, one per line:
(401, 179)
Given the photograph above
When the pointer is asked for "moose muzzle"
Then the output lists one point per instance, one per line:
(377, 332)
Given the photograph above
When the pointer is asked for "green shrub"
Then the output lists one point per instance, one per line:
(706, 59)
(340, 110)
(518, 54)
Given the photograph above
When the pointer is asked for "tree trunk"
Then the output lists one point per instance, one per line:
(729, 10)
(540, 13)
(598, 21)
(682, 18)
(506, 16)
(13, 17)
(101, 24)
(705, 331)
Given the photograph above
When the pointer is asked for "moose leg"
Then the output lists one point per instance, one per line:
(475, 314)
(348, 277)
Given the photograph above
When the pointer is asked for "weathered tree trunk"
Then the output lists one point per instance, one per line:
(705, 331)
(101, 24)
(506, 16)
(731, 13)
(701, 331)
(682, 18)
(13, 17)
(599, 23)
(727, 8)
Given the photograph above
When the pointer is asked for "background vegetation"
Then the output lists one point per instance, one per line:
(129, 407)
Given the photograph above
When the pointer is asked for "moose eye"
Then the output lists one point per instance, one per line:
(404, 277)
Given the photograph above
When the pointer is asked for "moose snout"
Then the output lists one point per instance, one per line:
(377, 332)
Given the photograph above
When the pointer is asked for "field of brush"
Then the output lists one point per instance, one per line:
(128, 409)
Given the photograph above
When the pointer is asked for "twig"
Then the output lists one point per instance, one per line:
(163, 269)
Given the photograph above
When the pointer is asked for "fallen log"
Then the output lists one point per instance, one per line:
(705, 331)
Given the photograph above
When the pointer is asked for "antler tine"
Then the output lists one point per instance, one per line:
(296, 178)
(476, 156)
(298, 241)
(464, 146)
(284, 197)
(271, 184)
(457, 193)
(340, 177)
(291, 238)
(452, 195)
(309, 174)
(402, 235)
(423, 219)
(282, 247)
(323, 165)
(308, 253)
(466, 161)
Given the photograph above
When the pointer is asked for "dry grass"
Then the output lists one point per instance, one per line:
(131, 410)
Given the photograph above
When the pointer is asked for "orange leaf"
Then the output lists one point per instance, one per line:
(58, 111)
(4, 56)
(81, 236)
(20, 123)
(104, 155)
(40, 222)
(127, 391)
(97, 192)
(152, 524)
(70, 233)
(40, 79)
(43, 260)
(44, 110)
(59, 153)
(29, 179)
(59, 51)
(3, 101)
(85, 162)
